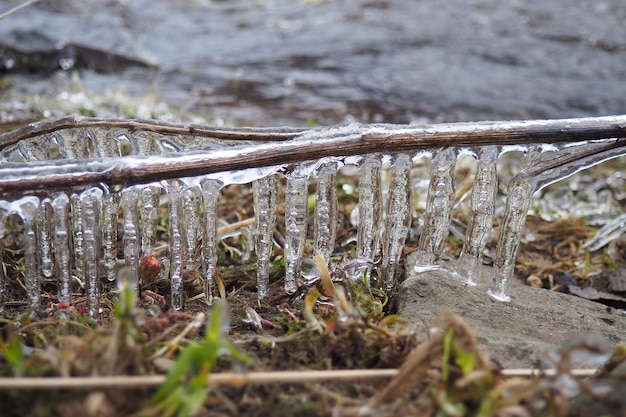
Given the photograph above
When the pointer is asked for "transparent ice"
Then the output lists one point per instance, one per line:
(296, 211)
(439, 205)
(481, 215)
(174, 190)
(265, 205)
(325, 218)
(60, 211)
(370, 214)
(90, 201)
(210, 194)
(129, 200)
(398, 219)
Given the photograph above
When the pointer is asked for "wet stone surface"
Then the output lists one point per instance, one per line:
(521, 333)
(292, 62)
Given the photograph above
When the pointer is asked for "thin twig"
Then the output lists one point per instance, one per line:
(293, 146)
(198, 321)
(17, 8)
(237, 379)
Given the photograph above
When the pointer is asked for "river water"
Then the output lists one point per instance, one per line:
(274, 62)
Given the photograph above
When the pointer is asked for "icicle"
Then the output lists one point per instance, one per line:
(26, 208)
(90, 201)
(210, 193)
(3, 216)
(398, 218)
(519, 192)
(370, 213)
(77, 232)
(481, 215)
(174, 191)
(44, 237)
(191, 225)
(265, 204)
(326, 209)
(110, 206)
(148, 211)
(296, 210)
(131, 225)
(60, 207)
(439, 206)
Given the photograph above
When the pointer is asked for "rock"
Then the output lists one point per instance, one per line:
(515, 334)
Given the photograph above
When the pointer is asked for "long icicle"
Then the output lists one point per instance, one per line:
(62, 256)
(90, 201)
(174, 191)
(398, 219)
(129, 199)
(210, 193)
(370, 214)
(439, 206)
(27, 210)
(110, 206)
(44, 238)
(148, 211)
(481, 215)
(538, 175)
(265, 204)
(191, 225)
(296, 199)
(326, 209)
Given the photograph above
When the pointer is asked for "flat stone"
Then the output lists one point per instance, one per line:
(515, 334)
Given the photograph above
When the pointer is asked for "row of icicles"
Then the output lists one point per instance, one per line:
(77, 231)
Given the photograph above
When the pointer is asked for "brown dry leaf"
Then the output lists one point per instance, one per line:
(327, 282)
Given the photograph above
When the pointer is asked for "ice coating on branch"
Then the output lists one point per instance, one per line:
(129, 200)
(481, 215)
(439, 205)
(398, 219)
(62, 257)
(90, 201)
(326, 209)
(210, 241)
(296, 210)
(73, 144)
(174, 191)
(44, 238)
(265, 204)
(370, 213)
(191, 225)
(148, 211)
(110, 206)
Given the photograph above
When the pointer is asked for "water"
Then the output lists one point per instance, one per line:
(72, 228)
